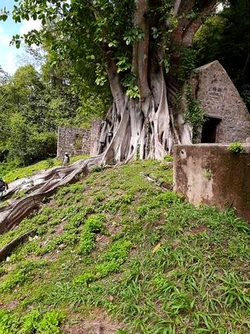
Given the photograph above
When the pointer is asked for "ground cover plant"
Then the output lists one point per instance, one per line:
(119, 252)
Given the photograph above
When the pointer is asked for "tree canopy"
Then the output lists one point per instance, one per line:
(131, 56)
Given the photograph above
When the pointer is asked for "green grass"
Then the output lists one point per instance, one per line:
(116, 244)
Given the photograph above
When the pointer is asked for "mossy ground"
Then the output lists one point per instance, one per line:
(116, 251)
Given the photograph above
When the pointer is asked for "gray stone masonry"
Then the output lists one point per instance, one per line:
(78, 141)
(220, 99)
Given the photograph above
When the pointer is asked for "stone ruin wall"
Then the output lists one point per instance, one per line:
(220, 99)
(73, 141)
(76, 141)
(211, 173)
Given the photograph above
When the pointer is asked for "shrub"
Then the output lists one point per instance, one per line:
(236, 148)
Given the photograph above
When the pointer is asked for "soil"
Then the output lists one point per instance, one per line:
(101, 324)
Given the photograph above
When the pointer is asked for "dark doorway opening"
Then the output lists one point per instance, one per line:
(209, 130)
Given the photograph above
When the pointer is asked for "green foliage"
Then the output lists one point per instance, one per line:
(27, 135)
(236, 148)
(123, 64)
(208, 173)
(129, 82)
(211, 32)
(33, 106)
(163, 266)
(195, 114)
(20, 275)
(188, 63)
(92, 226)
(8, 322)
(168, 158)
(246, 95)
(34, 322)
(110, 262)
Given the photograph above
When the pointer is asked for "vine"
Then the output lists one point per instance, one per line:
(195, 114)
(188, 63)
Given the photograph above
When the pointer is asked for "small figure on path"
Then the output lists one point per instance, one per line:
(66, 159)
(3, 186)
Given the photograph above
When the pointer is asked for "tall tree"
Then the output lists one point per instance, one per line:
(138, 47)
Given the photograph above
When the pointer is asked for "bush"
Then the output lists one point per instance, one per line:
(39, 146)
(236, 148)
(43, 146)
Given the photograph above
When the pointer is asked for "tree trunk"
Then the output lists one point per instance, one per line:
(134, 128)
(149, 126)
(140, 128)
(37, 187)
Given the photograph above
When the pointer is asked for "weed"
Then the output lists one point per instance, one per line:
(9, 323)
(168, 158)
(110, 206)
(93, 225)
(117, 243)
(236, 148)
(32, 322)
(109, 263)
(21, 275)
(234, 290)
(195, 114)
(207, 173)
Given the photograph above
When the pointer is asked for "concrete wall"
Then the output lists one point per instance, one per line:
(219, 98)
(213, 175)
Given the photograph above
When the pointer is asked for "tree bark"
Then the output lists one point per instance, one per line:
(39, 186)
(134, 128)
(7, 249)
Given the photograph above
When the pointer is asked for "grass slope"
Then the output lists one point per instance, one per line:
(115, 253)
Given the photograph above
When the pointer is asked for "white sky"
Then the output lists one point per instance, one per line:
(9, 53)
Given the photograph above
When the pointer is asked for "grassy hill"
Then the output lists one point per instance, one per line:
(119, 253)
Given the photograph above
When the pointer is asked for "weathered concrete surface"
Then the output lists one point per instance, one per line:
(211, 174)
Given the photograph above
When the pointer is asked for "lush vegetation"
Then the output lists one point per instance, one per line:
(92, 50)
(32, 108)
(119, 248)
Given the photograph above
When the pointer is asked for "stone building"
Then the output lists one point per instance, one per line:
(76, 141)
(226, 117)
(210, 172)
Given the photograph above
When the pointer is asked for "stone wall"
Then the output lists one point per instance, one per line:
(213, 175)
(72, 140)
(78, 141)
(222, 103)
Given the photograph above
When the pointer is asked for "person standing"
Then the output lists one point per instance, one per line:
(3, 186)
(66, 159)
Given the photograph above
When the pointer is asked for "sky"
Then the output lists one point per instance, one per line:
(9, 54)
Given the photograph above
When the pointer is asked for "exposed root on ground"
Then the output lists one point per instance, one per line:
(37, 187)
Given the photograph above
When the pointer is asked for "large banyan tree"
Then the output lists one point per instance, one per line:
(140, 48)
